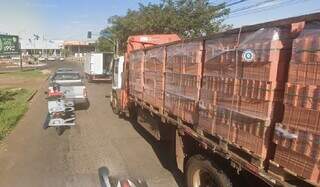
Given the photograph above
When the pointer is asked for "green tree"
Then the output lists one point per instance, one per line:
(187, 18)
(104, 45)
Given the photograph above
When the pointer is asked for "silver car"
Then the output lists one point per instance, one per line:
(71, 85)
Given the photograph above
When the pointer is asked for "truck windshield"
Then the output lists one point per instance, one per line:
(67, 76)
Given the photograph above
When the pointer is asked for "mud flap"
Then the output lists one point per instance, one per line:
(180, 156)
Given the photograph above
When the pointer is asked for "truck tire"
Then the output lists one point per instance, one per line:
(200, 172)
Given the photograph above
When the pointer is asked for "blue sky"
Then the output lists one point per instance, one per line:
(71, 19)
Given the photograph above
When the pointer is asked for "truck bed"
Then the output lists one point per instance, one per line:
(213, 90)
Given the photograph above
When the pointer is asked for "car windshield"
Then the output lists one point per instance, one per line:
(66, 76)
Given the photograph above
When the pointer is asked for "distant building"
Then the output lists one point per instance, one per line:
(34, 45)
(78, 48)
(41, 47)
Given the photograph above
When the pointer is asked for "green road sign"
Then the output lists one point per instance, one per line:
(9, 44)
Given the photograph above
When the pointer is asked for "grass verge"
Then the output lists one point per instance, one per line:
(23, 74)
(13, 105)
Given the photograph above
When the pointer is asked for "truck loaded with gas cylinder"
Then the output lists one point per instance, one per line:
(240, 107)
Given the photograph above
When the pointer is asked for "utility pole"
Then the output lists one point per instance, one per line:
(117, 49)
(20, 51)
(115, 43)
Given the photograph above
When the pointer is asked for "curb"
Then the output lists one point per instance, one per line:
(32, 95)
(36, 91)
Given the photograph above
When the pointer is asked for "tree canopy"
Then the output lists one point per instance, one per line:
(187, 18)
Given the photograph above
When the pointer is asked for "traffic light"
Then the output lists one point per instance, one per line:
(89, 36)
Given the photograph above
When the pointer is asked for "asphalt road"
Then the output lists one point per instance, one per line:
(35, 157)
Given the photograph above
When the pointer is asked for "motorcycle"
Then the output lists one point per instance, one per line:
(61, 113)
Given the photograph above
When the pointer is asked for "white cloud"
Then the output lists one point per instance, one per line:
(42, 5)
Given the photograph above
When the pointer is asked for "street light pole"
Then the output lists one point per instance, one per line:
(115, 43)
(20, 56)
(117, 48)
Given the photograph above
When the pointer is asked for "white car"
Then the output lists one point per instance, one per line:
(51, 58)
(61, 59)
(15, 58)
(42, 58)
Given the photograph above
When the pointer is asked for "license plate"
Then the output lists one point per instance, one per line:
(56, 122)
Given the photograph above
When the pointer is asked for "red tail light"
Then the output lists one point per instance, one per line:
(52, 92)
(57, 115)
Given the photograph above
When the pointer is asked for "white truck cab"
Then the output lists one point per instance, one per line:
(117, 83)
(117, 72)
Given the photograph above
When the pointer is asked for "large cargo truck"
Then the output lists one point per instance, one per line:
(238, 108)
(98, 66)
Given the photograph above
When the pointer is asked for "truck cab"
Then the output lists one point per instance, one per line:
(117, 82)
(117, 70)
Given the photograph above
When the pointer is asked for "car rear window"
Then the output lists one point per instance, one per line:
(64, 69)
(67, 76)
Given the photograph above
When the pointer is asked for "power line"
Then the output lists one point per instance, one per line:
(229, 3)
(266, 8)
(235, 3)
(253, 5)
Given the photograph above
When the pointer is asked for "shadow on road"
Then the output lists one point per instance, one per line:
(161, 150)
(45, 124)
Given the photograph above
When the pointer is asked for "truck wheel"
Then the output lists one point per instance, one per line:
(202, 173)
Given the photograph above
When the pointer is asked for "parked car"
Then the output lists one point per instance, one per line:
(51, 58)
(72, 86)
(42, 58)
(15, 58)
